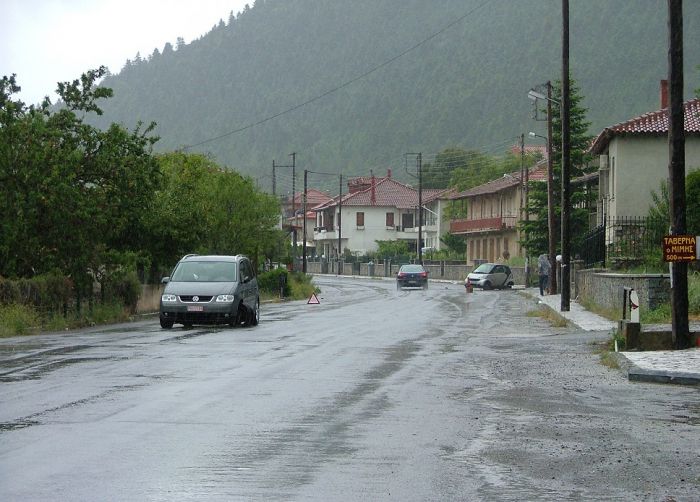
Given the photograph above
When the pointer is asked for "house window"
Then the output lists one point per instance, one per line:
(407, 220)
(390, 220)
(360, 217)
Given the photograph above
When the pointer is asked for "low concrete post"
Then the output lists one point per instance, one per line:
(630, 329)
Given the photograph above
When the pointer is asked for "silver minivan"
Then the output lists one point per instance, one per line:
(211, 289)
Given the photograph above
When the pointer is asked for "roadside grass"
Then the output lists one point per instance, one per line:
(606, 349)
(22, 320)
(608, 313)
(554, 319)
(17, 320)
(300, 287)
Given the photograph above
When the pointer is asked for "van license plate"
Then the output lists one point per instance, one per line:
(195, 308)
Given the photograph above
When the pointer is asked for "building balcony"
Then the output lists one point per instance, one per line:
(325, 233)
(469, 226)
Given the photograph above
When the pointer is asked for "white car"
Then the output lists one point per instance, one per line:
(490, 276)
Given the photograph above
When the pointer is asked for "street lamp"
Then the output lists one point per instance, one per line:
(534, 95)
(552, 247)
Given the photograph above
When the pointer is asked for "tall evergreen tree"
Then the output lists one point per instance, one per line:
(535, 231)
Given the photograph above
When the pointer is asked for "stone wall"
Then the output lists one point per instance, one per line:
(606, 289)
(149, 301)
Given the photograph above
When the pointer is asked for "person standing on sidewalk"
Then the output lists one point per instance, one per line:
(544, 268)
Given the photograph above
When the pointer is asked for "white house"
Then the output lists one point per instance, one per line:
(634, 159)
(376, 209)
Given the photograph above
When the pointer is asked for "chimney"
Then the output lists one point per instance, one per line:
(388, 173)
(373, 196)
(664, 93)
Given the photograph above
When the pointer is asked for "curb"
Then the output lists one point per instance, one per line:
(636, 374)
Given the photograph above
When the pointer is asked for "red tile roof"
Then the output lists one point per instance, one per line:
(536, 173)
(649, 124)
(313, 198)
(387, 192)
(431, 194)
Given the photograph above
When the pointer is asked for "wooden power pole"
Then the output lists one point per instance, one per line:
(676, 172)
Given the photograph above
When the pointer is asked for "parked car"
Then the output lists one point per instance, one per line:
(490, 275)
(413, 276)
(211, 290)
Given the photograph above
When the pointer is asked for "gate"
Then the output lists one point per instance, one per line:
(592, 250)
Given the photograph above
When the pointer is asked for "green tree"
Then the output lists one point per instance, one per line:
(72, 196)
(660, 210)
(392, 249)
(226, 213)
(454, 243)
(536, 230)
(692, 199)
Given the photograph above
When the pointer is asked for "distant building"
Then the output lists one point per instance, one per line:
(633, 159)
(493, 211)
(377, 209)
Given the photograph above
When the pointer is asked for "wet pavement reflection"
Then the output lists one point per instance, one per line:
(373, 394)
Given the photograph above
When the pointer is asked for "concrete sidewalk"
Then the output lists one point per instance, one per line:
(661, 366)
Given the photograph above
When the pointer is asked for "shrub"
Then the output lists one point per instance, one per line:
(124, 288)
(659, 315)
(269, 282)
(16, 319)
(694, 294)
(301, 286)
(9, 291)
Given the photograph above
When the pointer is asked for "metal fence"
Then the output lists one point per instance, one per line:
(623, 240)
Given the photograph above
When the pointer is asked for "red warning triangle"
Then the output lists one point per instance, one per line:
(313, 299)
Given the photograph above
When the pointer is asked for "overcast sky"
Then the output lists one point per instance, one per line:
(50, 41)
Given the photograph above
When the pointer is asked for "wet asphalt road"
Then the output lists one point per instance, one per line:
(372, 395)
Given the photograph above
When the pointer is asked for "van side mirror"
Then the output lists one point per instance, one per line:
(165, 280)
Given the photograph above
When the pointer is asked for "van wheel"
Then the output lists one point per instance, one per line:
(255, 318)
(166, 323)
(241, 316)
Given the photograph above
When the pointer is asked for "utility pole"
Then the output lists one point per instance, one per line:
(340, 212)
(420, 207)
(524, 179)
(552, 250)
(565, 163)
(303, 266)
(274, 179)
(419, 166)
(676, 171)
(294, 212)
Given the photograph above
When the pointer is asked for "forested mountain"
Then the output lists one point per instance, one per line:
(466, 86)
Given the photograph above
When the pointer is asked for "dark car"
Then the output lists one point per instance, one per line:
(211, 290)
(412, 276)
(490, 275)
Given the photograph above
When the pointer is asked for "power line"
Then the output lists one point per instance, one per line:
(344, 84)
